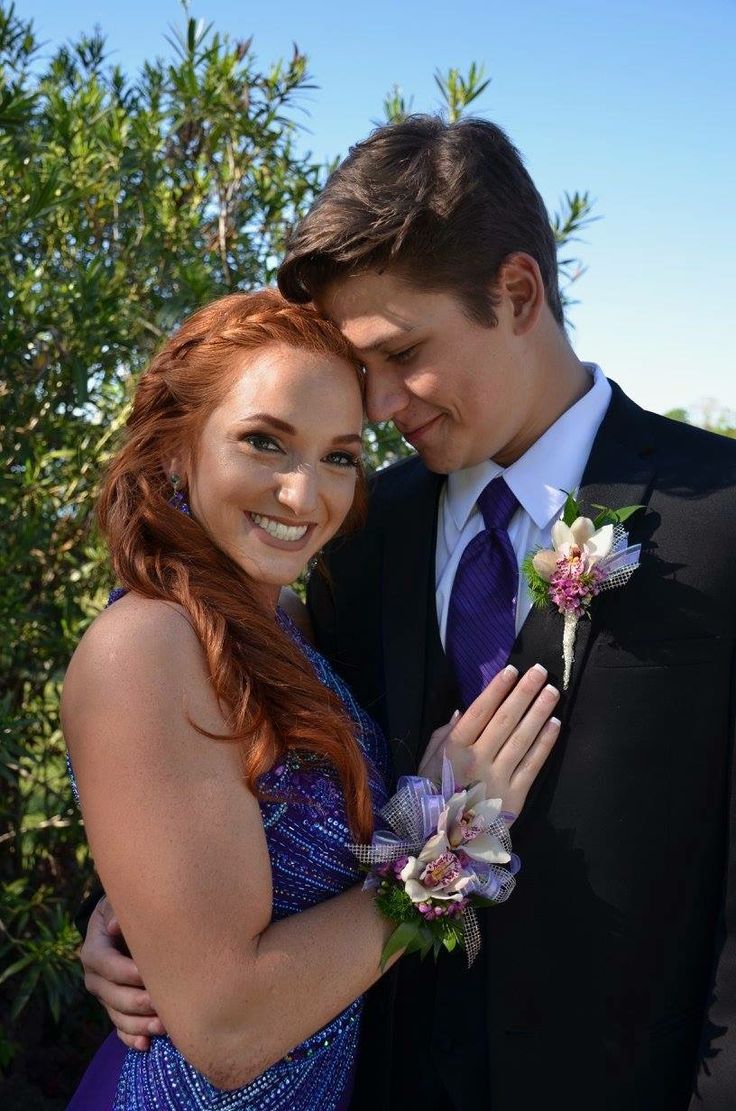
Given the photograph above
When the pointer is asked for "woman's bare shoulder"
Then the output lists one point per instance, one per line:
(134, 641)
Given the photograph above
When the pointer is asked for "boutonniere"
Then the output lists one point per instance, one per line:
(586, 558)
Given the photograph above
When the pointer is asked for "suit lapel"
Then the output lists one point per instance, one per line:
(619, 472)
(408, 582)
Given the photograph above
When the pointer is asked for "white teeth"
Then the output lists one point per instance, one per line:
(279, 531)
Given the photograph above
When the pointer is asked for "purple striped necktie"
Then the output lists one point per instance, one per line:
(481, 621)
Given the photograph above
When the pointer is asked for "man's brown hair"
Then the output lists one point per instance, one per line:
(441, 205)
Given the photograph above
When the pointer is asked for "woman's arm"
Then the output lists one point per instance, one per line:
(504, 738)
(179, 844)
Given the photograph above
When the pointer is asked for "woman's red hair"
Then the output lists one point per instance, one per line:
(273, 699)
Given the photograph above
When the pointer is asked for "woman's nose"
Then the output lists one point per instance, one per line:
(299, 491)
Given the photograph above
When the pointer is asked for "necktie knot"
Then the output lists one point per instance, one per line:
(497, 503)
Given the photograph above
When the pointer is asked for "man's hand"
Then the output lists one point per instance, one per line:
(114, 979)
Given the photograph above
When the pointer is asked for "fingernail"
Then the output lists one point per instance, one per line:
(454, 717)
(551, 689)
(154, 1028)
(555, 721)
(538, 667)
(510, 671)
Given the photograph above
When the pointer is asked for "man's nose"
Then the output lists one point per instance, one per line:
(385, 394)
(299, 491)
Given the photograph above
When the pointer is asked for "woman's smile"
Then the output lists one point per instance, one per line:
(282, 535)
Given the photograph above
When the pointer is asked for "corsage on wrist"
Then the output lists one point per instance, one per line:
(446, 852)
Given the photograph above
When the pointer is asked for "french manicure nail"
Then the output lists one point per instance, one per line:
(538, 667)
(510, 670)
(555, 721)
(454, 717)
(551, 689)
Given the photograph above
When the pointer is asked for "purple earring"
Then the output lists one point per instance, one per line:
(177, 499)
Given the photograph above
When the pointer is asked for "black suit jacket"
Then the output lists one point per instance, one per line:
(609, 979)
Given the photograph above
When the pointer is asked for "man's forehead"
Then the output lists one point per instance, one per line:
(370, 312)
(369, 334)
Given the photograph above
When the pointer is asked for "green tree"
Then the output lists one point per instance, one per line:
(709, 414)
(125, 202)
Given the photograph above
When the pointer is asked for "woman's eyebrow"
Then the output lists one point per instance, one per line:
(284, 426)
(275, 422)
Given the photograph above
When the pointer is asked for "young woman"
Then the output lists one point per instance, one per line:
(222, 767)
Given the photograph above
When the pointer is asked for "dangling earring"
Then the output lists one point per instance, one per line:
(177, 499)
(313, 563)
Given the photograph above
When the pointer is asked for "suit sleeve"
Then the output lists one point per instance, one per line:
(715, 1083)
(323, 611)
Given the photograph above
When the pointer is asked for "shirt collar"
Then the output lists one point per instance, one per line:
(552, 466)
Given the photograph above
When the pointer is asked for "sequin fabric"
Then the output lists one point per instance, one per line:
(308, 838)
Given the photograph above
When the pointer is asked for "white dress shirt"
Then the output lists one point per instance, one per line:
(539, 479)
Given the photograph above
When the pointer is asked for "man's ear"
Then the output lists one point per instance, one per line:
(520, 283)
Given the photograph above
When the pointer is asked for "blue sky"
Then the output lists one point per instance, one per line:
(635, 102)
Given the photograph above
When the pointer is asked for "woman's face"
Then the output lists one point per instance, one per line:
(276, 465)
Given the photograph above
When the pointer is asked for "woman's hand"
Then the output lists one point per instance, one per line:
(502, 739)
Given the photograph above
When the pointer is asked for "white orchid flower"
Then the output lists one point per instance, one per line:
(463, 825)
(441, 877)
(594, 543)
(581, 537)
(465, 822)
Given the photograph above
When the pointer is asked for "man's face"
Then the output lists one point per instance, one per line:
(457, 390)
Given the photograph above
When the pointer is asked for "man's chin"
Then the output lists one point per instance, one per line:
(440, 462)
(438, 467)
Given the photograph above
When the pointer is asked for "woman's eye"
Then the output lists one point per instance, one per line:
(402, 357)
(342, 459)
(260, 442)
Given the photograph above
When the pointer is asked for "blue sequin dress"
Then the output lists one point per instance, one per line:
(307, 836)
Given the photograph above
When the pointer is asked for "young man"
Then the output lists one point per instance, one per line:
(609, 980)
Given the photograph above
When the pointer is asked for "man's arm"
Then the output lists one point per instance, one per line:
(715, 1083)
(321, 612)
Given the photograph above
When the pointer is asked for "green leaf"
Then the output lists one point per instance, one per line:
(626, 512)
(406, 936)
(538, 587)
(614, 516)
(27, 987)
(17, 966)
(571, 510)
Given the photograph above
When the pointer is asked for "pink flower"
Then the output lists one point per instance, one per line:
(445, 867)
(572, 568)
